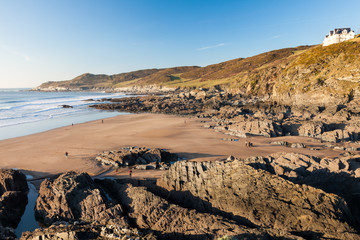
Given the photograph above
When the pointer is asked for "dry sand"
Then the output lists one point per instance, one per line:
(44, 153)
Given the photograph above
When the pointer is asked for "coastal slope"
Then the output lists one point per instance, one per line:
(310, 74)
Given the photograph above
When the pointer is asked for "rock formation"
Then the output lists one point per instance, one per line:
(150, 158)
(247, 193)
(12, 180)
(75, 197)
(174, 222)
(13, 200)
(85, 231)
(240, 116)
(278, 196)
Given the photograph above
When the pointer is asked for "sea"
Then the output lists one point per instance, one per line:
(24, 112)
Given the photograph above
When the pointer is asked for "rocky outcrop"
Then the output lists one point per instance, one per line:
(7, 233)
(66, 106)
(13, 200)
(174, 222)
(240, 116)
(255, 127)
(75, 197)
(12, 180)
(245, 191)
(151, 158)
(333, 175)
(79, 231)
(284, 196)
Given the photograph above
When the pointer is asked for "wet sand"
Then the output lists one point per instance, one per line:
(43, 154)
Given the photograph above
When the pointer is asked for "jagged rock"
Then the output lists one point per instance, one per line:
(311, 129)
(174, 222)
(74, 196)
(13, 200)
(12, 206)
(333, 136)
(256, 127)
(262, 198)
(251, 116)
(153, 155)
(7, 233)
(135, 155)
(297, 145)
(86, 231)
(12, 180)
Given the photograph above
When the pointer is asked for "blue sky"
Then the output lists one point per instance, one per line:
(48, 40)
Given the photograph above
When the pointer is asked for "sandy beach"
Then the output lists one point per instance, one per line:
(44, 153)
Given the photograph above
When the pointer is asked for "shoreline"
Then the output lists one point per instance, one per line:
(26, 129)
(42, 154)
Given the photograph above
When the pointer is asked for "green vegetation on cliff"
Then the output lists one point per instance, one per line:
(306, 70)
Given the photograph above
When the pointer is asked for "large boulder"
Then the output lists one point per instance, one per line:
(13, 200)
(247, 192)
(12, 180)
(74, 196)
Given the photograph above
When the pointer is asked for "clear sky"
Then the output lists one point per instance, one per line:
(48, 40)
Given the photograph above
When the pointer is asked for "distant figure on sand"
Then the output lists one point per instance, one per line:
(66, 154)
(130, 172)
(102, 121)
(248, 144)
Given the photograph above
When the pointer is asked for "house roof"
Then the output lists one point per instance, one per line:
(340, 30)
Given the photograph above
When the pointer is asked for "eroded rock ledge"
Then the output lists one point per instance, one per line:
(247, 189)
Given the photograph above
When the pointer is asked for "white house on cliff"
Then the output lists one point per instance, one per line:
(338, 35)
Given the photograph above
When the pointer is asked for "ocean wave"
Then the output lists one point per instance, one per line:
(16, 120)
(27, 107)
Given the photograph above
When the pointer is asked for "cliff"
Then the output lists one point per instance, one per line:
(310, 74)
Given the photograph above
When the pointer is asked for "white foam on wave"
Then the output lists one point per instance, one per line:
(33, 107)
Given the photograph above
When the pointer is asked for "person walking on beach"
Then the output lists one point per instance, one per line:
(66, 154)
(102, 121)
(130, 172)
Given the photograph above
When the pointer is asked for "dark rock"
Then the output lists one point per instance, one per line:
(12, 180)
(74, 196)
(86, 231)
(7, 233)
(242, 116)
(135, 155)
(66, 106)
(174, 222)
(13, 200)
(12, 206)
(238, 189)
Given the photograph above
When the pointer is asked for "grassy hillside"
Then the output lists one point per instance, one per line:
(333, 70)
(102, 81)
